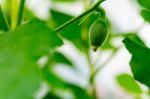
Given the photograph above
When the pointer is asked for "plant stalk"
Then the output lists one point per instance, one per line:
(3, 20)
(78, 17)
(106, 62)
(20, 12)
(14, 9)
(92, 83)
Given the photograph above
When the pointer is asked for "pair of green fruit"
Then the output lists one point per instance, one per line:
(98, 33)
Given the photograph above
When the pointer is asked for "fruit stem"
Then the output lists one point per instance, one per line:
(14, 9)
(79, 17)
(20, 12)
(3, 20)
(92, 83)
(106, 62)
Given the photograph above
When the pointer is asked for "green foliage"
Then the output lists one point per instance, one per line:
(27, 14)
(72, 33)
(135, 38)
(57, 57)
(140, 61)
(144, 3)
(3, 21)
(146, 15)
(128, 83)
(20, 49)
(51, 95)
(79, 93)
(59, 84)
(52, 79)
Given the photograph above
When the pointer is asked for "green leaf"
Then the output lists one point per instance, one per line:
(58, 57)
(27, 14)
(140, 61)
(146, 15)
(79, 93)
(134, 37)
(51, 95)
(53, 80)
(128, 83)
(57, 83)
(73, 32)
(144, 3)
(3, 20)
(19, 51)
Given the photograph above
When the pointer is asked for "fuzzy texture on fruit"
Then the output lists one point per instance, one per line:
(98, 34)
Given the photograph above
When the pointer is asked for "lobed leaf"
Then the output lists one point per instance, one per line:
(19, 51)
(140, 61)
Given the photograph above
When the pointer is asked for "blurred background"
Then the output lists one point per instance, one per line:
(124, 18)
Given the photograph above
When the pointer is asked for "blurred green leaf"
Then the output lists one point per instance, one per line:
(57, 57)
(72, 32)
(3, 23)
(137, 97)
(57, 83)
(140, 61)
(27, 14)
(135, 38)
(144, 3)
(19, 51)
(53, 80)
(128, 83)
(146, 15)
(79, 93)
(51, 95)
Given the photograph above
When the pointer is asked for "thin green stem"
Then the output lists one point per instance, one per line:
(3, 20)
(78, 17)
(93, 86)
(14, 11)
(106, 62)
(92, 83)
(20, 12)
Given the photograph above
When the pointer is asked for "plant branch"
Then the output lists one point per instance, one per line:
(14, 11)
(105, 63)
(91, 81)
(78, 17)
(3, 20)
(20, 12)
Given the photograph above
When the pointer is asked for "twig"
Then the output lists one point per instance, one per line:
(20, 12)
(78, 17)
(106, 62)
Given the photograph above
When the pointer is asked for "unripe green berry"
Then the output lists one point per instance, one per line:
(98, 34)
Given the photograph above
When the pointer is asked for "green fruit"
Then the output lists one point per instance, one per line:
(98, 34)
